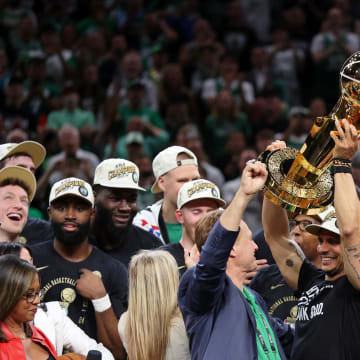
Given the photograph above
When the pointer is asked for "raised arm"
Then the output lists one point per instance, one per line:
(205, 286)
(346, 201)
(286, 252)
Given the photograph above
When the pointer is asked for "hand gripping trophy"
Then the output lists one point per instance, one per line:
(300, 181)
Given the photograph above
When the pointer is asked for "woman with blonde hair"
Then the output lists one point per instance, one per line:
(153, 327)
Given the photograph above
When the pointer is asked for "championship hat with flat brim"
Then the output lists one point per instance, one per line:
(34, 149)
(19, 173)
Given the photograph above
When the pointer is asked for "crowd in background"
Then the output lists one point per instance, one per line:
(133, 77)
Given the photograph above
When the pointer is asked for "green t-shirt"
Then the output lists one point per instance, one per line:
(174, 232)
(77, 118)
(265, 338)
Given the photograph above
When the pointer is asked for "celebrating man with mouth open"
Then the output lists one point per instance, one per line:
(328, 319)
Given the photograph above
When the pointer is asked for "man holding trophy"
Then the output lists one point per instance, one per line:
(328, 318)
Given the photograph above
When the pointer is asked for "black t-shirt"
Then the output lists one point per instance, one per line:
(136, 239)
(37, 231)
(279, 297)
(58, 280)
(177, 251)
(328, 320)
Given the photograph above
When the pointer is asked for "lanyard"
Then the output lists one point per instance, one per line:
(261, 338)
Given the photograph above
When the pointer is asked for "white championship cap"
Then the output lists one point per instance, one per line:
(72, 186)
(166, 160)
(117, 173)
(35, 150)
(199, 189)
(20, 173)
(329, 223)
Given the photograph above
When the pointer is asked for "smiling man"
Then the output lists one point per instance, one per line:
(116, 186)
(328, 318)
(195, 199)
(89, 283)
(17, 189)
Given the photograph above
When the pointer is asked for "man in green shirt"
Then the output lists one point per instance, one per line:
(72, 114)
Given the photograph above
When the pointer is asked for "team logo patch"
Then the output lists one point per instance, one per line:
(135, 177)
(214, 192)
(83, 191)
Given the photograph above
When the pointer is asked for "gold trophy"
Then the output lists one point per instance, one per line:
(300, 181)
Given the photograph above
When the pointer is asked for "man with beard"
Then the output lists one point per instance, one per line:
(328, 318)
(116, 184)
(90, 284)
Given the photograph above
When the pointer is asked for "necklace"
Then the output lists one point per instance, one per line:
(22, 336)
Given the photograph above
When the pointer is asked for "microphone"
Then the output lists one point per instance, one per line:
(94, 355)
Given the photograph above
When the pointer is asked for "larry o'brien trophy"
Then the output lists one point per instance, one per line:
(300, 181)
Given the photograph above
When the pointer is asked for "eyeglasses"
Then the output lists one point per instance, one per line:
(301, 223)
(30, 298)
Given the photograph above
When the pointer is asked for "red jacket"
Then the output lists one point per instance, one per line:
(14, 349)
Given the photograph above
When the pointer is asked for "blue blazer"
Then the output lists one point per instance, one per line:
(218, 318)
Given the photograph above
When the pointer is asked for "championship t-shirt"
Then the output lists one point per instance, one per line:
(135, 240)
(58, 280)
(328, 319)
(279, 297)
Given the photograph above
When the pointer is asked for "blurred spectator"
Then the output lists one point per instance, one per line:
(189, 137)
(258, 16)
(263, 139)
(225, 118)
(136, 117)
(5, 69)
(171, 87)
(237, 35)
(16, 136)
(72, 114)
(286, 65)
(259, 75)
(129, 20)
(92, 94)
(300, 123)
(72, 161)
(159, 58)
(57, 59)
(14, 111)
(110, 66)
(177, 114)
(317, 108)
(235, 144)
(131, 70)
(156, 32)
(229, 79)
(329, 49)
(206, 66)
(25, 41)
(269, 112)
(183, 20)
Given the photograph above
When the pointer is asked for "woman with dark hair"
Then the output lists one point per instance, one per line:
(52, 319)
(19, 297)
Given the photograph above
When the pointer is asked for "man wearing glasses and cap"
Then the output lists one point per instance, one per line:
(328, 317)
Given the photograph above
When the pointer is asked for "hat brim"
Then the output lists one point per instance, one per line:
(121, 187)
(315, 229)
(74, 195)
(219, 201)
(155, 188)
(33, 148)
(17, 172)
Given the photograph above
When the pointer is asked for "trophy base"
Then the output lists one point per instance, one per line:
(308, 198)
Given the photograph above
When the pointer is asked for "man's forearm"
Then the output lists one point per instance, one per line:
(107, 332)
